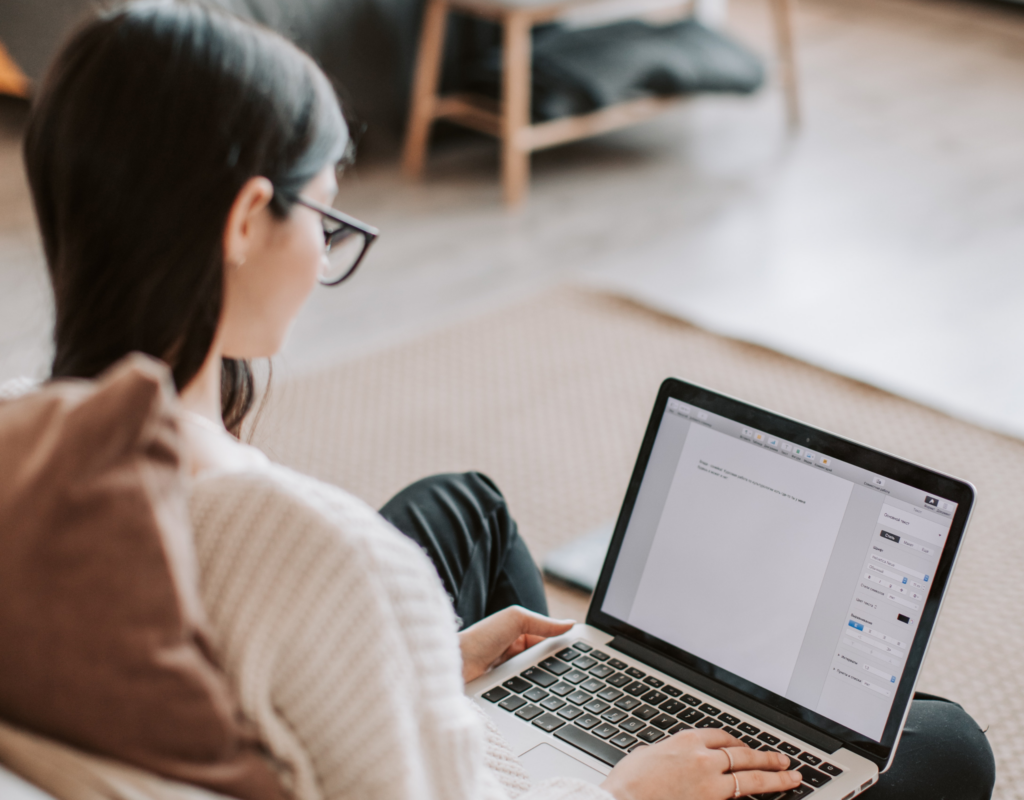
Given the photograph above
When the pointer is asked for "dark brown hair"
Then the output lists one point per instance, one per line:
(147, 126)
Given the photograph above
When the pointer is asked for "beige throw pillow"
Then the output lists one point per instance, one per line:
(102, 635)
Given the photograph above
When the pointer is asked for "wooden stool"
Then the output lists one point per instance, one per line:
(509, 120)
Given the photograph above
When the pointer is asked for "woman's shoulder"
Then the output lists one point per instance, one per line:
(273, 500)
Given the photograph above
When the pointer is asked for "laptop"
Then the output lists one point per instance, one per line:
(765, 577)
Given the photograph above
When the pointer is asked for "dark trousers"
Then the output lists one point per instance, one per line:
(463, 524)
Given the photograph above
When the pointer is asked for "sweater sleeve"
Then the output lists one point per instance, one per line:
(341, 643)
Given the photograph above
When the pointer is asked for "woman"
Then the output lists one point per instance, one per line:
(183, 167)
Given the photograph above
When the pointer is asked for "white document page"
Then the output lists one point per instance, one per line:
(739, 555)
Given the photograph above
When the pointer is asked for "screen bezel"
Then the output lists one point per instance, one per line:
(880, 463)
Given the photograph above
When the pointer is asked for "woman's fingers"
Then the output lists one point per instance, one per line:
(743, 758)
(759, 782)
(714, 738)
(536, 626)
(500, 636)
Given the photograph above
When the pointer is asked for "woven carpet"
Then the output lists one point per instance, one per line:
(551, 397)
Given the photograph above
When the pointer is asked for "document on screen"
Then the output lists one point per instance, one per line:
(739, 555)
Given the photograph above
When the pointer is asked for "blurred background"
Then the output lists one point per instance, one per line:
(881, 238)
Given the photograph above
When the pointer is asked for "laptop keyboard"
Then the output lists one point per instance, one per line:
(607, 708)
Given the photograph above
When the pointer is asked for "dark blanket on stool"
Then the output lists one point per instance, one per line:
(581, 70)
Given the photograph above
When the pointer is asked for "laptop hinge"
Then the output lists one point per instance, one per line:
(741, 701)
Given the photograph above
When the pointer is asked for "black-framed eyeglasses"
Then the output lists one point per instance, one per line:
(346, 241)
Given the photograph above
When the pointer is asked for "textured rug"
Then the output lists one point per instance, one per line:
(551, 397)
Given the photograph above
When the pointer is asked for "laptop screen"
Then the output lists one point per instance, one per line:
(798, 572)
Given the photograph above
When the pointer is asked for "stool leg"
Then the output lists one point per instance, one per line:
(782, 12)
(423, 103)
(515, 106)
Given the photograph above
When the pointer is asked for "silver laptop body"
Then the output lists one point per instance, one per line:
(765, 577)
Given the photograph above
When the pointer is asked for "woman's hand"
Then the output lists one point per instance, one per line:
(495, 639)
(696, 765)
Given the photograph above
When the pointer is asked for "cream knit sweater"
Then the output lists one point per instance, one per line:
(342, 646)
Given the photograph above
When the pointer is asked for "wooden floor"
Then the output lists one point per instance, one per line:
(914, 113)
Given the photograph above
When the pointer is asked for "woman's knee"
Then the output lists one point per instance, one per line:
(943, 753)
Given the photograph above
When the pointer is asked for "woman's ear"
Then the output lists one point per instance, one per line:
(246, 219)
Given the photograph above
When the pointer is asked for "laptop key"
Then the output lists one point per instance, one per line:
(552, 703)
(619, 680)
(671, 706)
(797, 793)
(590, 745)
(767, 738)
(691, 715)
(569, 712)
(593, 686)
(689, 698)
(587, 721)
(529, 712)
(651, 735)
(790, 749)
(633, 672)
(512, 703)
(663, 721)
(579, 698)
(568, 654)
(585, 663)
(751, 742)
(623, 740)
(807, 758)
(604, 730)
(583, 647)
(710, 710)
(602, 671)
(671, 691)
(599, 655)
(645, 712)
(554, 666)
(813, 777)
(596, 706)
(657, 683)
(539, 676)
(655, 698)
(615, 715)
(535, 695)
(561, 689)
(610, 695)
(548, 722)
(830, 769)
(708, 722)
(682, 726)
(517, 685)
(632, 725)
(495, 694)
(636, 689)
(617, 664)
(732, 732)
(729, 719)
(575, 676)
(627, 703)
(746, 727)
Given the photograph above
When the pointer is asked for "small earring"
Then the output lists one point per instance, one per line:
(240, 262)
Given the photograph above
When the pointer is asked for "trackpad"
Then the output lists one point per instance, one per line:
(545, 761)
